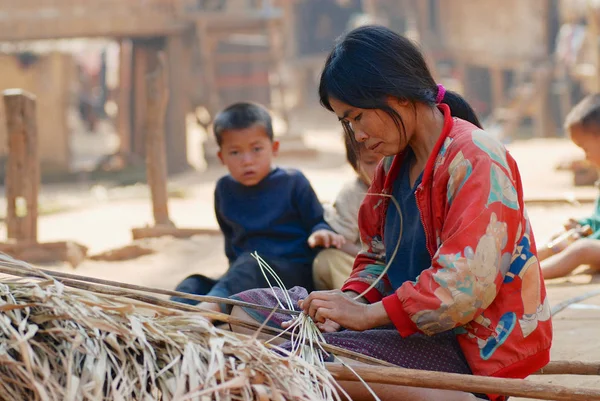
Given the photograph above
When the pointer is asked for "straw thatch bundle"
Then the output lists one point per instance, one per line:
(59, 343)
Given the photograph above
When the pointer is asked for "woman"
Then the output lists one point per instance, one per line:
(463, 293)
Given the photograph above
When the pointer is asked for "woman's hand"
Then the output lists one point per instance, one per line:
(340, 308)
(326, 239)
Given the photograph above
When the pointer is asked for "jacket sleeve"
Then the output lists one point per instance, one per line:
(371, 261)
(475, 246)
(309, 207)
(226, 229)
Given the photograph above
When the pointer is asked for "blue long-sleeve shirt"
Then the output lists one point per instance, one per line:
(274, 217)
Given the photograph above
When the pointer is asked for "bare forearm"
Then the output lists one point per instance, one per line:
(350, 248)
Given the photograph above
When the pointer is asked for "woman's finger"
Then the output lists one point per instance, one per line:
(323, 295)
(322, 315)
(314, 307)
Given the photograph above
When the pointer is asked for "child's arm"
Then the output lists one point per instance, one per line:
(350, 248)
(343, 217)
(311, 215)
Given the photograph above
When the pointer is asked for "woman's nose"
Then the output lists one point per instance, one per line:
(360, 136)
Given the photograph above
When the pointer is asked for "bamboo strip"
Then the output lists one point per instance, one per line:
(170, 305)
(467, 383)
(116, 284)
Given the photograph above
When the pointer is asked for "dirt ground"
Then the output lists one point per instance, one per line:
(107, 225)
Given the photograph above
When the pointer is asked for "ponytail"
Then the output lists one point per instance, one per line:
(460, 108)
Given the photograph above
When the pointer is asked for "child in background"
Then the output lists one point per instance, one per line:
(332, 267)
(583, 126)
(262, 208)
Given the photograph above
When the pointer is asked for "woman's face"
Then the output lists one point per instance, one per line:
(376, 128)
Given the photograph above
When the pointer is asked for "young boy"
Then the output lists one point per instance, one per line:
(332, 267)
(583, 126)
(262, 208)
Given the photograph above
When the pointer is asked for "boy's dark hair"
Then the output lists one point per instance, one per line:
(240, 116)
(371, 63)
(585, 115)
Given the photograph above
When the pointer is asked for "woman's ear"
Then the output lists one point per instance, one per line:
(395, 102)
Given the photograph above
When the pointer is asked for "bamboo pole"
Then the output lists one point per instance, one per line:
(458, 382)
(571, 368)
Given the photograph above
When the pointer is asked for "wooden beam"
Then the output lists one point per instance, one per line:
(168, 230)
(179, 65)
(466, 383)
(23, 166)
(157, 97)
(35, 252)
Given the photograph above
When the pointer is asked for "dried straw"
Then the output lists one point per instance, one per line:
(58, 343)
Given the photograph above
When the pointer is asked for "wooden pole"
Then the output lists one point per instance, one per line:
(23, 170)
(178, 65)
(467, 383)
(124, 117)
(497, 77)
(571, 368)
(594, 31)
(157, 98)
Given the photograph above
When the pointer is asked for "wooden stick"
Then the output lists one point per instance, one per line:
(565, 304)
(466, 383)
(570, 368)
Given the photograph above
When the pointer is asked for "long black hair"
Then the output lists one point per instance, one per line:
(372, 63)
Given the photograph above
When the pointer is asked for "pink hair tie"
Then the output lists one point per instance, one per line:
(440, 95)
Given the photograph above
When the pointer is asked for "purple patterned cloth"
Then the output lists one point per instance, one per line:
(440, 352)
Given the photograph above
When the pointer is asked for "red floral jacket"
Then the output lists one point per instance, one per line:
(485, 281)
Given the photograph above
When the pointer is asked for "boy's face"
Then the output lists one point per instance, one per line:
(589, 142)
(248, 154)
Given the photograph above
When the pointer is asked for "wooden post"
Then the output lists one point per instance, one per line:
(157, 97)
(140, 60)
(23, 171)
(594, 31)
(179, 64)
(497, 77)
(124, 121)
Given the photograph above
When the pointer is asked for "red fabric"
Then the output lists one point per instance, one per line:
(485, 280)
